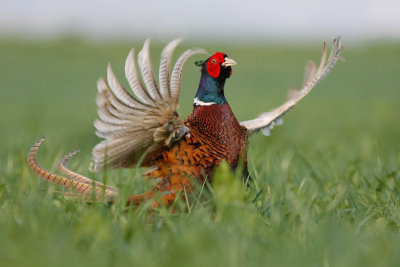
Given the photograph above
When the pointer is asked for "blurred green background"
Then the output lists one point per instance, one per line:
(327, 181)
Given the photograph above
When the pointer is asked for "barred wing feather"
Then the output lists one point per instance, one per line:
(266, 121)
(142, 122)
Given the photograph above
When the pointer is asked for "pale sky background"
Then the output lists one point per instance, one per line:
(281, 20)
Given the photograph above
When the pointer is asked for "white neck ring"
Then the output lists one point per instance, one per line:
(198, 102)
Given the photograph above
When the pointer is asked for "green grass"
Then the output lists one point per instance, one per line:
(326, 187)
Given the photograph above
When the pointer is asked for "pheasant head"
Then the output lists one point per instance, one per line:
(214, 72)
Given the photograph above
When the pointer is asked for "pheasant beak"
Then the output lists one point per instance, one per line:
(228, 62)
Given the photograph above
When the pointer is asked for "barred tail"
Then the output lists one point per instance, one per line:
(83, 185)
(62, 167)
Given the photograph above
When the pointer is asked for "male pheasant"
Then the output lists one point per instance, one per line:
(145, 129)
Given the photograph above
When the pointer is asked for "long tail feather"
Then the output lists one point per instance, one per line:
(62, 167)
(81, 187)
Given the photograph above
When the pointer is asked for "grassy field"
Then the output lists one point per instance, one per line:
(326, 183)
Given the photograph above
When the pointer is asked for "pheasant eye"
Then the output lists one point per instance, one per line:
(213, 61)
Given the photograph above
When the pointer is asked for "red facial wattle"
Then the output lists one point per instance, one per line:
(214, 64)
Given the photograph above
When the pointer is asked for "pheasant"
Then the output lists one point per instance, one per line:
(145, 129)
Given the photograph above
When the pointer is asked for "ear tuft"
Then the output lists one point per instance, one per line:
(199, 63)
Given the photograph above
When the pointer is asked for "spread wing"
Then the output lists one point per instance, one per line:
(143, 122)
(266, 121)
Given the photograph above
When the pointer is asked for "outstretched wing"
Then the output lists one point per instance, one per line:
(142, 123)
(266, 121)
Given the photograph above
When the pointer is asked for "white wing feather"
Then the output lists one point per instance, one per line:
(132, 76)
(266, 121)
(176, 78)
(147, 72)
(165, 65)
(144, 122)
